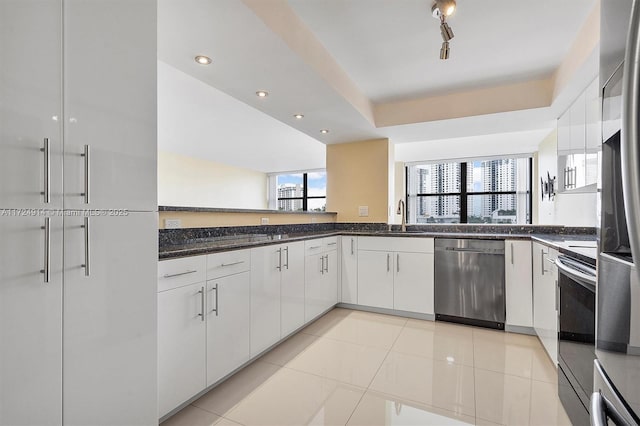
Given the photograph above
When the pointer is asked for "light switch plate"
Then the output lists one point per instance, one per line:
(172, 223)
(264, 221)
(363, 211)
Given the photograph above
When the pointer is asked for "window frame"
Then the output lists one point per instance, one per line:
(464, 194)
(305, 191)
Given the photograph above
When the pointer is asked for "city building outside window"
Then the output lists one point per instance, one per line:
(494, 190)
(299, 191)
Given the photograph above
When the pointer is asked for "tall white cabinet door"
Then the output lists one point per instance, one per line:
(413, 283)
(30, 103)
(30, 323)
(314, 291)
(331, 279)
(518, 283)
(266, 263)
(292, 288)
(228, 325)
(110, 72)
(349, 270)
(110, 320)
(375, 278)
(181, 346)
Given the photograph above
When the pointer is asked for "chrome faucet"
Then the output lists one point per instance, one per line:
(401, 210)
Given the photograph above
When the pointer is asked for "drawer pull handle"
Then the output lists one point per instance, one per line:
(224, 265)
(332, 244)
(179, 274)
(314, 247)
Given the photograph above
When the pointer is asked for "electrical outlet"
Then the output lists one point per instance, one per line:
(363, 211)
(264, 221)
(172, 223)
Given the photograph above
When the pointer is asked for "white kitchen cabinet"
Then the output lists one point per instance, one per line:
(108, 330)
(228, 325)
(181, 345)
(545, 284)
(30, 323)
(413, 282)
(518, 283)
(375, 278)
(349, 269)
(110, 103)
(321, 276)
(292, 288)
(266, 264)
(110, 319)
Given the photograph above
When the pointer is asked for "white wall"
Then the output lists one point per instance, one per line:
(571, 209)
(193, 182)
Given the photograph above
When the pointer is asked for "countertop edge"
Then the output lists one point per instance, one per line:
(183, 209)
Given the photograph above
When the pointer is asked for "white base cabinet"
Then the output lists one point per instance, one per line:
(545, 294)
(321, 276)
(375, 279)
(413, 282)
(292, 288)
(518, 283)
(266, 264)
(349, 269)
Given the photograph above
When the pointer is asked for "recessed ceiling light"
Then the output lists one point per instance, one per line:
(262, 93)
(299, 116)
(324, 131)
(203, 60)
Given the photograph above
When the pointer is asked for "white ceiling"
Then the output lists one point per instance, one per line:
(336, 60)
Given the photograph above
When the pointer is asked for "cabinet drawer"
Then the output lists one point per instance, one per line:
(413, 244)
(176, 273)
(228, 263)
(312, 247)
(375, 243)
(330, 243)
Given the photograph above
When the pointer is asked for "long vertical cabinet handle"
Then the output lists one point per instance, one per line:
(397, 262)
(47, 171)
(279, 267)
(87, 173)
(327, 264)
(352, 246)
(217, 295)
(201, 293)
(511, 244)
(388, 262)
(542, 261)
(322, 265)
(87, 250)
(47, 249)
(286, 265)
(630, 132)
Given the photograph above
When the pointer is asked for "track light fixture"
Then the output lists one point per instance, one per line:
(441, 9)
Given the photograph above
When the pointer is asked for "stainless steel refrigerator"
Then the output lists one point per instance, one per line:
(616, 396)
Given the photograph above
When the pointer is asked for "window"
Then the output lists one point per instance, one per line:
(473, 191)
(303, 191)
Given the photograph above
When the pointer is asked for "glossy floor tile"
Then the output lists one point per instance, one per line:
(359, 368)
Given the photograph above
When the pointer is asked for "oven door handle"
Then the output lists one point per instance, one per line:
(602, 410)
(575, 274)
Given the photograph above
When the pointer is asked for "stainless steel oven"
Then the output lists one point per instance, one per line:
(576, 336)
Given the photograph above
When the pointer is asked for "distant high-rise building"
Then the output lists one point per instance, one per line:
(289, 190)
(498, 176)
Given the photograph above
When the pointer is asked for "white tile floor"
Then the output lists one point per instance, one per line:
(359, 368)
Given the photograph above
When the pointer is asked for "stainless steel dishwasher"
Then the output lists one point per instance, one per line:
(469, 282)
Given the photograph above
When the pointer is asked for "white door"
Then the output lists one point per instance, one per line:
(228, 325)
(110, 320)
(330, 280)
(110, 61)
(538, 255)
(349, 270)
(413, 282)
(266, 264)
(314, 293)
(518, 283)
(292, 288)
(375, 278)
(181, 345)
(30, 103)
(30, 322)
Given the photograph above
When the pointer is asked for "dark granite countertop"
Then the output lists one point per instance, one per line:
(232, 210)
(218, 243)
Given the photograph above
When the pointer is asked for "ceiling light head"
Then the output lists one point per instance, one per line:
(298, 116)
(446, 31)
(203, 60)
(262, 93)
(324, 131)
(444, 50)
(443, 8)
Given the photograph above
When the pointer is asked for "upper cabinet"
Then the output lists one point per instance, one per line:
(579, 142)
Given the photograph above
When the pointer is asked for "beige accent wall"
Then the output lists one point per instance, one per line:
(193, 182)
(213, 219)
(358, 175)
